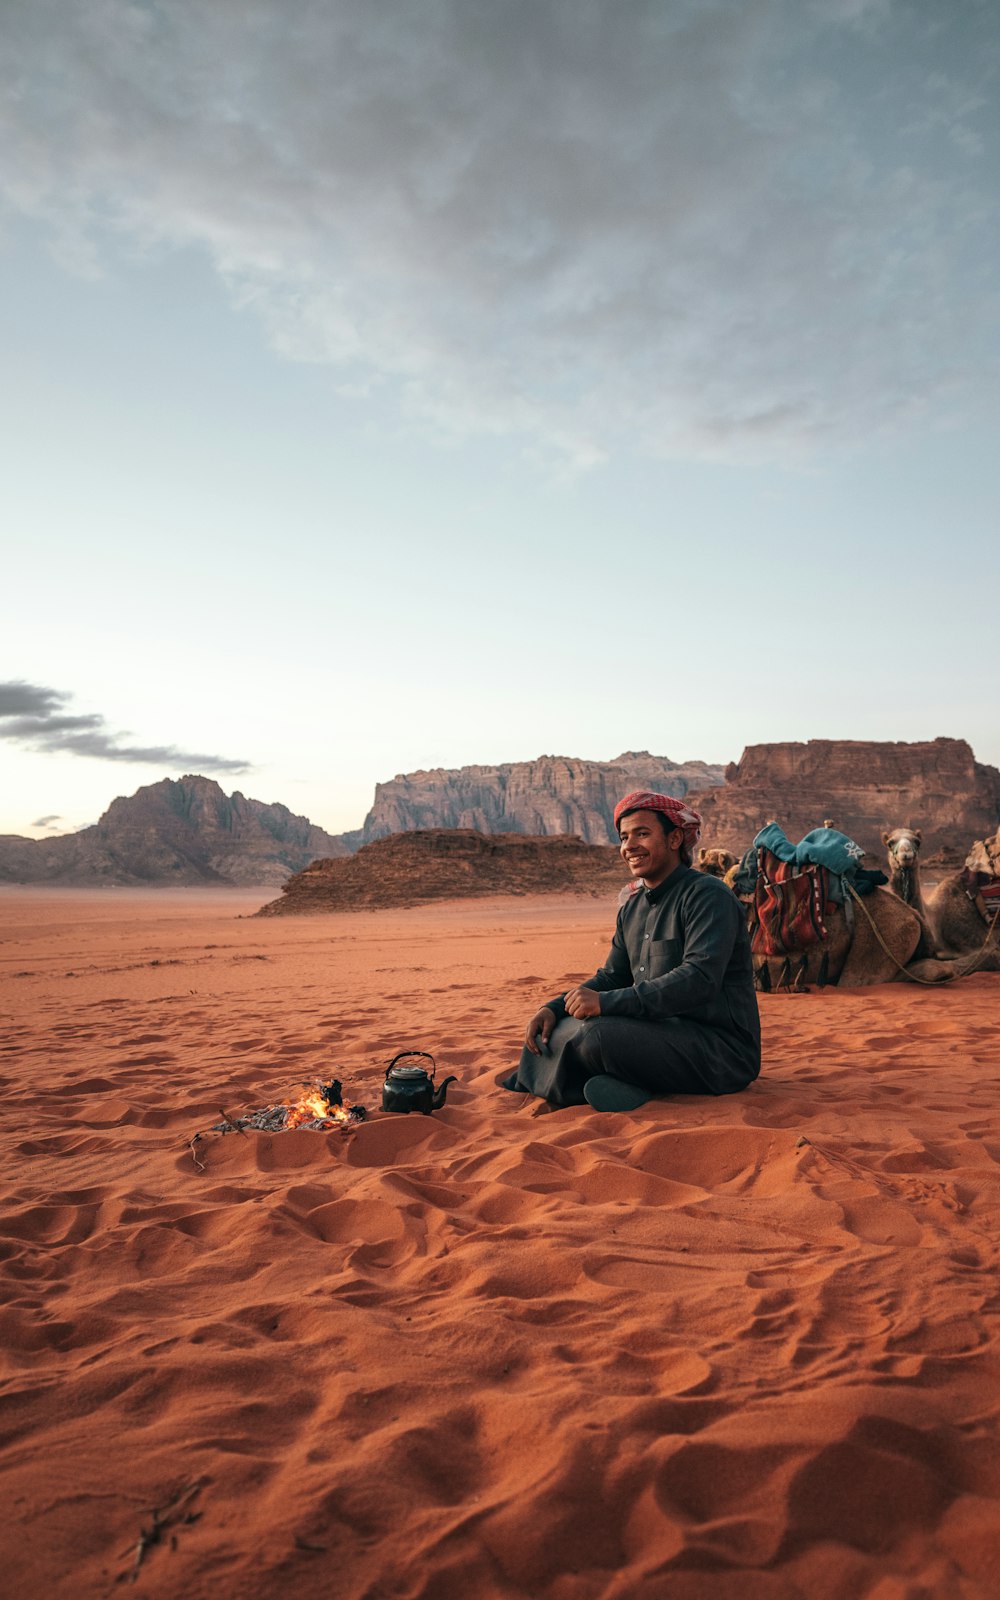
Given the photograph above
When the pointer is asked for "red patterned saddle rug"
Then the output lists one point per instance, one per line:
(788, 906)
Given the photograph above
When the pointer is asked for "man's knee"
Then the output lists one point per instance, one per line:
(588, 1046)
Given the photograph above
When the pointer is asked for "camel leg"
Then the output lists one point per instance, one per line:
(933, 969)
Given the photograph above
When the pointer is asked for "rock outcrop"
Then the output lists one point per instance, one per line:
(408, 869)
(553, 795)
(177, 831)
(864, 787)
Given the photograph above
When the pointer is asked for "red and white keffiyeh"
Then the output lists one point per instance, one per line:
(680, 815)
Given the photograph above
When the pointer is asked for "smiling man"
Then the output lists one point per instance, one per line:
(673, 1010)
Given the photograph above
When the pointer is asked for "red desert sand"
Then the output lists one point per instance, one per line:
(712, 1349)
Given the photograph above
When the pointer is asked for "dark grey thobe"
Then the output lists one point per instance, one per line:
(678, 1006)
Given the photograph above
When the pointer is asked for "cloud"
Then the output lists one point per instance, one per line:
(32, 715)
(735, 228)
(47, 822)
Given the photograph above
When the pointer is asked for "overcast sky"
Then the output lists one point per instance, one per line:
(397, 385)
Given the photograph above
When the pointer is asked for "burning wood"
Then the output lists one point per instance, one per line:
(318, 1108)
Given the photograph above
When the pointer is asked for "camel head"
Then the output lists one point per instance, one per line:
(985, 856)
(716, 862)
(902, 845)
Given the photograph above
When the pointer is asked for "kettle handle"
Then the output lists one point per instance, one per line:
(425, 1053)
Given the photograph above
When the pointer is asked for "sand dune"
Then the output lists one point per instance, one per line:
(716, 1348)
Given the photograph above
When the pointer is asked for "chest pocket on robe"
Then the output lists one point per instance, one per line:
(664, 956)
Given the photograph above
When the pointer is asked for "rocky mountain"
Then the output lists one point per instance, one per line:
(187, 831)
(177, 831)
(864, 787)
(408, 869)
(553, 795)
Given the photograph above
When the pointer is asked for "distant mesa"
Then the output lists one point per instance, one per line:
(552, 795)
(864, 787)
(427, 864)
(177, 831)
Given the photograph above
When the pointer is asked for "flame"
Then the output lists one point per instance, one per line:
(315, 1107)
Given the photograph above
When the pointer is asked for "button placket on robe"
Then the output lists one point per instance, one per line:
(650, 920)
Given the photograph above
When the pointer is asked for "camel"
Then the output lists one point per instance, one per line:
(957, 912)
(883, 939)
(903, 845)
(854, 958)
(717, 863)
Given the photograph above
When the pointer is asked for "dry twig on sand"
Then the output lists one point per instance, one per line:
(172, 1513)
(194, 1154)
(228, 1120)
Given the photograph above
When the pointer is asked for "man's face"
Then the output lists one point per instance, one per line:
(650, 852)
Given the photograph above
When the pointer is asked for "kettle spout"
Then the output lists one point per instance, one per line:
(441, 1091)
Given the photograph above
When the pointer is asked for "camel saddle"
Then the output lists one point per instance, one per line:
(790, 899)
(984, 892)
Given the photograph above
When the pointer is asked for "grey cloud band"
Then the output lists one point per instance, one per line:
(32, 714)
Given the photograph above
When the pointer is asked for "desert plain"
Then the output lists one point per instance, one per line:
(744, 1347)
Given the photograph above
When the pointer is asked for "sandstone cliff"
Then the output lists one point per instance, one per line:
(183, 831)
(864, 787)
(553, 795)
(408, 869)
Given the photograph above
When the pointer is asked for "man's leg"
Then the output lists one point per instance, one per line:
(558, 1074)
(671, 1057)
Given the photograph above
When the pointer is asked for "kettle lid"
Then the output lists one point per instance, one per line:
(409, 1073)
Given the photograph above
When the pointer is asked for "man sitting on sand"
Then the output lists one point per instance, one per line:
(673, 1010)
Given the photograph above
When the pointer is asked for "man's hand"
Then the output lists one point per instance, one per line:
(583, 1002)
(539, 1028)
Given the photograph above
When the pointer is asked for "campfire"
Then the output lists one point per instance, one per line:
(318, 1108)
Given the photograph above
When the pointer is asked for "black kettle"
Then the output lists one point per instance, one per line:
(410, 1087)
